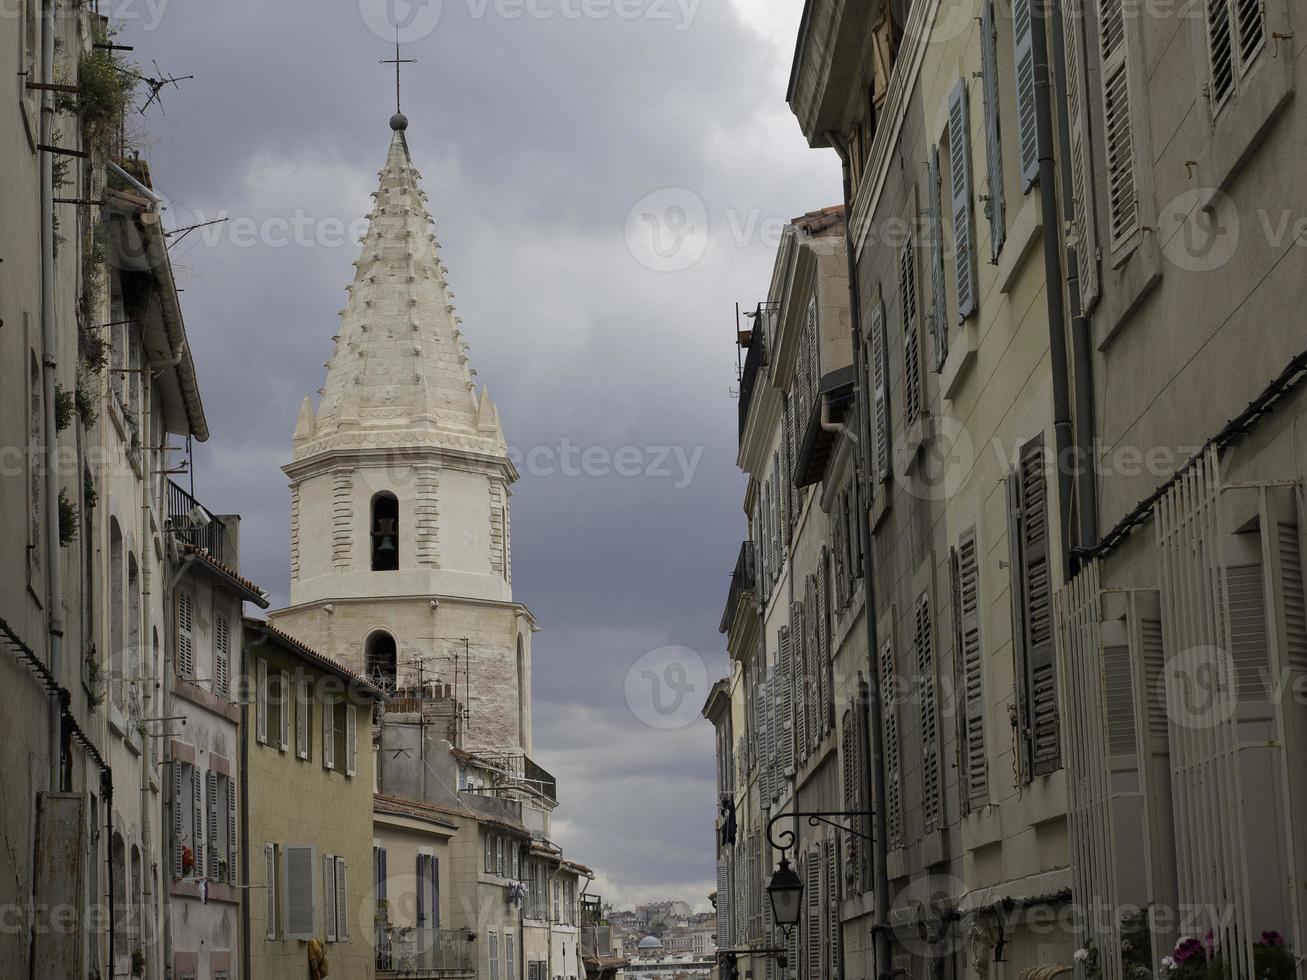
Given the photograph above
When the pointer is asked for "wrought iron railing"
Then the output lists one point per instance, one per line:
(516, 773)
(597, 940)
(423, 951)
(753, 364)
(182, 516)
(742, 581)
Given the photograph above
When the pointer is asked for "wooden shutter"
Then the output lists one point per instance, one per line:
(1023, 60)
(970, 660)
(798, 639)
(433, 865)
(812, 919)
(826, 661)
(995, 205)
(964, 228)
(302, 719)
(832, 907)
(1118, 137)
(328, 733)
(890, 739)
(931, 790)
(851, 786)
(342, 900)
(231, 831)
(912, 396)
(1220, 49)
(185, 634)
(329, 896)
(938, 317)
(299, 911)
(1084, 236)
(211, 839)
(283, 701)
(178, 819)
(878, 381)
(197, 821)
(787, 473)
(270, 892)
(351, 737)
(261, 700)
(1036, 673)
(221, 655)
(1250, 24)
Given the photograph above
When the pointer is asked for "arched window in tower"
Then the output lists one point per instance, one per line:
(385, 532)
(381, 660)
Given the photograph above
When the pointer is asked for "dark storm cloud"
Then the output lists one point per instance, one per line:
(535, 138)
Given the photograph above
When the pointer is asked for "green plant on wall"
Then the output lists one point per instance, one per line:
(94, 678)
(105, 83)
(68, 523)
(86, 399)
(64, 408)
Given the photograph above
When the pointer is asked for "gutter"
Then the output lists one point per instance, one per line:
(1064, 439)
(862, 469)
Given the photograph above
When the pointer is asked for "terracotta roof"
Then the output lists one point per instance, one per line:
(398, 806)
(815, 221)
(252, 591)
(288, 642)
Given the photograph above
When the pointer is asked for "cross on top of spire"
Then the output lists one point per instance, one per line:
(398, 121)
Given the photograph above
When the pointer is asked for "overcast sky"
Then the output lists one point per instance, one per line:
(566, 159)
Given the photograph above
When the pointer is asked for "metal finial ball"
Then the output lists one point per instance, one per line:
(399, 122)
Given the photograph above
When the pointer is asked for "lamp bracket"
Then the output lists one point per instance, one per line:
(783, 839)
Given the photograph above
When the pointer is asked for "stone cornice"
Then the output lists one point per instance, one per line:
(442, 449)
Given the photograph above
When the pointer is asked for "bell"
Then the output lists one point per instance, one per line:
(387, 544)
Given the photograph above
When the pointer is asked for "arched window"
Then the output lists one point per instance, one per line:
(381, 660)
(116, 616)
(385, 532)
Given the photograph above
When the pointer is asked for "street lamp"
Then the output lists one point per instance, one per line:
(786, 893)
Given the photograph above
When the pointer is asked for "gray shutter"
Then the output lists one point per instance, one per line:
(890, 740)
(261, 701)
(971, 693)
(1041, 678)
(931, 790)
(798, 640)
(221, 655)
(879, 375)
(851, 786)
(1220, 49)
(329, 895)
(812, 918)
(300, 918)
(211, 839)
(827, 721)
(185, 634)
(197, 821)
(1083, 228)
(1023, 60)
(995, 205)
(764, 735)
(1118, 137)
(283, 710)
(351, 737)
(1019, 651)
(788, 453)
(178, 823)
(832, 905)
(786, 703)
(270, 891)
(231, 831)
(342, 900)
(964, 228)
(328, 733)
(911, 340)
(938, 318)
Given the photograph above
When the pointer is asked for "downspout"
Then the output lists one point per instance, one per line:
(106, 793)
(245, 807)
(1081, 338)
(54, 576)
(862, 468)
(1052, 246)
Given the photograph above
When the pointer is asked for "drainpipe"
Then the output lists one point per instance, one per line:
(245, 808)
(1082, 357)
(1052, 246)
(862, 468)
(54, 578)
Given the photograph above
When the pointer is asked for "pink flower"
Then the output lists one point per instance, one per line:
(1271, 938)
(1189, 949)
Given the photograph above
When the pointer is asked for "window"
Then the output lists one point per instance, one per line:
(492, 947)
(328, 733)
(335, 898)
(299, 908)
(303, 718)
(385, 532)
(261, 701)
(509, 957)
(186, 824)
(1236, 34)
(499, 856)
(490, 854)
(381, 660)
(1032, 619)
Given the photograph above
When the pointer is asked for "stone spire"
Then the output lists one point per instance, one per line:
(399, 376)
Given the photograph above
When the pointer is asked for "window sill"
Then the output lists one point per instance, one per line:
(1124, 286)
(961, 356)
(1022, 237)
(1243, 122)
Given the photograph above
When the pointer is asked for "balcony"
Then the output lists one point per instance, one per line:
(742, 583)
(758, 339)
(424, 951)
(188, 522)
(509, 776)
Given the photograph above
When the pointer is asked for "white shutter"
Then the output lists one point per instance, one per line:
(231, 831)
(221, 655)
(342, 900)
(185, 634)
(1118, 138)
(351, 737)
(1023, 60)
(995, 206)
(938, 320)
(211, 839)
(299, 906)
(329, 896)
(1083, 227)
(197, 821)
(302, 719)
(270, 900)
(879, 383)
(328, 733)
(261, 701)
(178, 801)
(813, 900)
(964, 233)
(283, 700)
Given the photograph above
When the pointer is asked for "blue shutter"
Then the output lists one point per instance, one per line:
(1084, 237)
(433, 866)
(964, 235)
(995, 206)
(422, 905)
(1023, 58)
